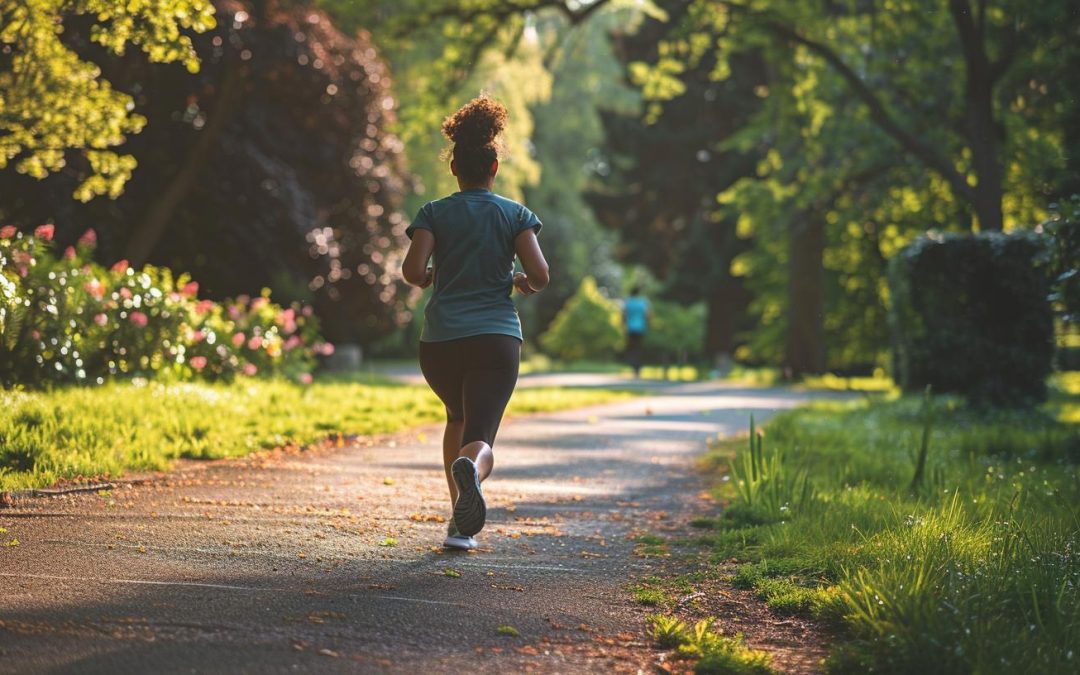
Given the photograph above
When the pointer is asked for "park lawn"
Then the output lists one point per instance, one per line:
(977, 569)
(68, 433)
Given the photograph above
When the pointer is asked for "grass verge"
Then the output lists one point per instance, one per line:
(64, 434)
(972, 567)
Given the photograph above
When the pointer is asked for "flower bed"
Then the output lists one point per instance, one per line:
(66, 319)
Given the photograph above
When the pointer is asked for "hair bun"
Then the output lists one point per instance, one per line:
(477, 123)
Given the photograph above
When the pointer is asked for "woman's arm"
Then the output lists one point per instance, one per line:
(532, 261)
(415, 269)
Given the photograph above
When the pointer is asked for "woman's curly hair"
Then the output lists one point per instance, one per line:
(474, 130)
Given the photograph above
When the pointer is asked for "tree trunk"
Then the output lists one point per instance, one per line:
(724, 306)
(805, 350)
(979, 125)
(149, 231)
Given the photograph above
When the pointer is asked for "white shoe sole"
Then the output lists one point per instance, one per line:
(470, 510)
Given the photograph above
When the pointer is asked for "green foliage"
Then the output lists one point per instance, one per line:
(80, 323)
(970, 315)
(713, 653)
(974, 573)
(676, 331)
(767, 486)
(587, 327)
(143, 425)
(1063, 226)
(52, 101)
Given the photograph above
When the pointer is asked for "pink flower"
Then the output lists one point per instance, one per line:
(306, 378)
(198, 336)
(69, 253)
(324, 348)
(238, 339)
(306, 311)
(120, 267)
(255, 342)
(234, 311)
(138, 318)
(94, 288)
(243, 299)
(101, 319)
(259, 303)
(88, 238)
(45, 231)
(250, 369)
(8, 231)
(203, 306)
(125, 292)
(292, 343)
(198, 362)
(190, 289)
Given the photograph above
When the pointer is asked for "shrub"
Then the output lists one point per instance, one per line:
(970, 315)
(66, 319)
(587, 327)
(676, 332)
(1063, 226)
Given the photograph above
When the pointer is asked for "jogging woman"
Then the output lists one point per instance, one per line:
(470, 347)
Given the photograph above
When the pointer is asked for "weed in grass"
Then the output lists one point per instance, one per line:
(649, 597)
(509, 631)
(713, 652)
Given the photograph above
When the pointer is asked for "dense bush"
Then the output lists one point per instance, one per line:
(970, 314)
(66, 319)
(676, 332)
(588, 327)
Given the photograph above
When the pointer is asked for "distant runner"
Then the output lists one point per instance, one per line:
(470, 348)
(636, 312)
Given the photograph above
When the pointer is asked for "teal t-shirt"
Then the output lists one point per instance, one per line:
(474, 264)
(636, 314)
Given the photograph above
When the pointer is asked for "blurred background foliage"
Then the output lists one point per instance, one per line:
(754, 165)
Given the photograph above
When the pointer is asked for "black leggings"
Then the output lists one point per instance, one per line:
(474, 377)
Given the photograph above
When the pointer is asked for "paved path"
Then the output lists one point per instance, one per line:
(283, 563)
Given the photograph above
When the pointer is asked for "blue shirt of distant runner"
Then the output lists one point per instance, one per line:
(636, 314)
(474, 264)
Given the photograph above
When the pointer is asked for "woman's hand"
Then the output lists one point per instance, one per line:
(521, 282)
(429, 276)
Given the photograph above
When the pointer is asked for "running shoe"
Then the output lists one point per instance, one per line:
(470, 510)
(455, 539)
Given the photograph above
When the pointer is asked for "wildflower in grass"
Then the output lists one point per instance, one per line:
(250, 369)
(198, 362)
(306, 378)
(191, 289)
(120, 267)
(255, 342)
(45, 231)
(238, 339)
(88, 238)
(138, 318)
(101, 319)
(8, 231)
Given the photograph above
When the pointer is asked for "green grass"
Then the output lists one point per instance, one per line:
(67, 433)
(976, 568)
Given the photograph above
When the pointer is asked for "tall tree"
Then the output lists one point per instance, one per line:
(56, 109)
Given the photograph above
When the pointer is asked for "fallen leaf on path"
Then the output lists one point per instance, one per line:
(13, 542)
(388, 481)
(329, 652)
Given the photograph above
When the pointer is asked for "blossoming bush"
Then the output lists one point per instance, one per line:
(64, 318)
